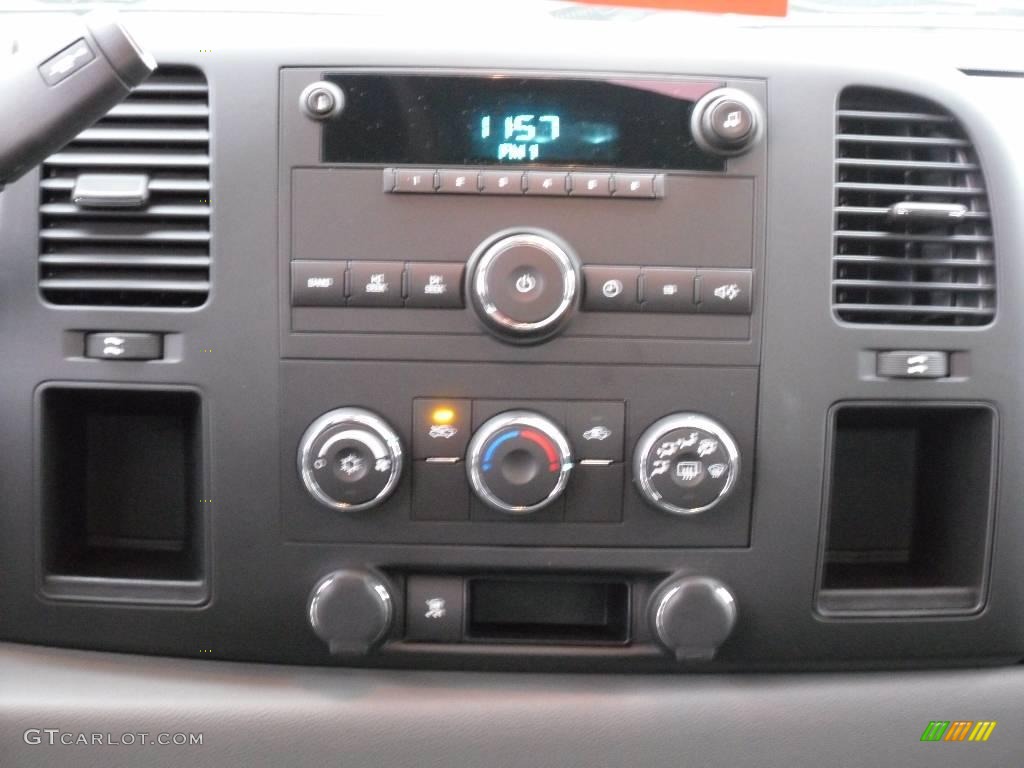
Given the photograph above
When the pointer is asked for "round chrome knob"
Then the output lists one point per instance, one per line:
(350, 459)
(519, 462)
(726, 121)
(524, 285)
(686, 463)
(351, 610)
(692, 616)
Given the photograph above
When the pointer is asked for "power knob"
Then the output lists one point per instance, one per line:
(350, 459)
(523, 285)
(692, 616)
(519, 462)
(351, 610)
(726, 122)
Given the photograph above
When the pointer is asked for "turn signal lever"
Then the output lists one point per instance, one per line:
(52, 91)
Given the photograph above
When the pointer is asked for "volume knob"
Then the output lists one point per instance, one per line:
(524, 285)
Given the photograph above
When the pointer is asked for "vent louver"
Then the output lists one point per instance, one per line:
(913, 237)
(155, 252)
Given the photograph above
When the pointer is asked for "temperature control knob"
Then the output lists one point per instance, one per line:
(351, 610)
(350, 459)
(519, 462)
(692, 616)
(686, 463)
(524, 285)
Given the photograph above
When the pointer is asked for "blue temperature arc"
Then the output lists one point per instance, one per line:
(489, 453)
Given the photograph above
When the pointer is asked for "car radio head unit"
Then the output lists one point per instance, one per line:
(510, 119)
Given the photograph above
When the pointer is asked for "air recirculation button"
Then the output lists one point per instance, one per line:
(350, 459)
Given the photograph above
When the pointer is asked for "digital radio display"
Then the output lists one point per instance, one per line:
(511, 120)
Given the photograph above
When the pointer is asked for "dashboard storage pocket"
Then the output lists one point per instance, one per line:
(909, 509)
(120, 473)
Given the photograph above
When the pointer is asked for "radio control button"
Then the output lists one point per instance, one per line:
(667, 289)
(731, 121)
(434, 285)
(501, 182)
(591, 184)
(414, 180)
(726, 122)
(318, 283)
(375, 284)
(523, 285)
(725, 291)
(611, 289)
(634, 185)
(543, 183)
(464, 182)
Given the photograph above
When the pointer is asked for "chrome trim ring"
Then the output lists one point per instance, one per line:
(366, 427)
(656, 432)
(495, 424)
(484, 259)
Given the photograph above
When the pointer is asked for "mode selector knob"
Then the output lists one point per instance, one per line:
(519, 462)
(686, 463)
(524, 285)
(350, 459)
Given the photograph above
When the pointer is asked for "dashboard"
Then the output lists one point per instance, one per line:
(611, 343)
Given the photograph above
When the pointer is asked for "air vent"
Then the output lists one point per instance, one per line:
(913, 239)
(139, 235)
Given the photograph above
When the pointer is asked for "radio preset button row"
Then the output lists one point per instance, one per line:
(424, 285)
(677, 290)
(636, 186)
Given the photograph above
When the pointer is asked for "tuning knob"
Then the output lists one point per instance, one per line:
(686, 463)
(524, 285)
(726, 121)
(350, 459)
(351, 610)
(519, 462)
(692, 616)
